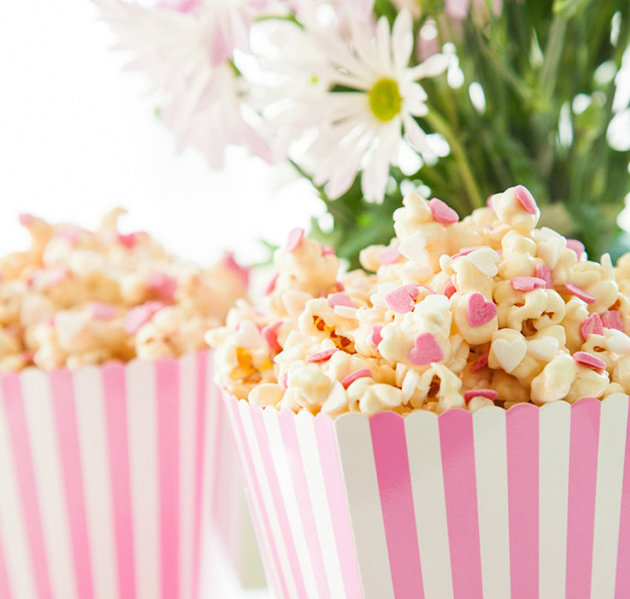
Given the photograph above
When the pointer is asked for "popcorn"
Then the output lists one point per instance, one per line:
(78, 297)
(470, 313)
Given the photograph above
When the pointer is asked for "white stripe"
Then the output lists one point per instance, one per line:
(269, 506)
(359, 473)
(92, 429)
(427, 482)
(143, 469)
(285, 480)
(188, 440)
(555, 428)
(305, 425)
(42, 434)
(13, 534)
(492, 501)
(610, 464)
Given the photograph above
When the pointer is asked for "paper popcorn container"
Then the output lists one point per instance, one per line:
(524, 504)
(115, 482)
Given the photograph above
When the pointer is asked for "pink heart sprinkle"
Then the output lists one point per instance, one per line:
(528, 283)
(576, 246)
(270, 335)
(581, 357)
(321, 356)
(480, 311)
(26, 220)
(414, 290)
(284, 380)
(326, 251)
(162, 284)
(137, 317)
(294, 240)
(400, 300)
(544, 272)
(390, 256)
(443, 213)
(575, 290)
(480, 362)
(340, 299)
(613, 320)
(102, 311)
(591, 326)
(241, 271)
(357, 374)
(450, 289)
(129, 240)
(526, 199)
(425, 350)
(271, 285)
(376, 334)
(487, 393)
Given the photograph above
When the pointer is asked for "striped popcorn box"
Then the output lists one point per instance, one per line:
(115, 482)
(526, 503)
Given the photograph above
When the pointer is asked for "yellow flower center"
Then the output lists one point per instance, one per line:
(385, 99)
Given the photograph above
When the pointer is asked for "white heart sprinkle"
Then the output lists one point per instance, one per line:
(414, 248)
(543, 349)
(509, 354)
(485, 259)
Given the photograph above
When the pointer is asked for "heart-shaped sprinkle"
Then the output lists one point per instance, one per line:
(450, 289)
(526, 199)
(487, 393)
(527, 283)
(480, 362)
(414, 290)
(485, 260)
(321, 356)
(327, 251)
(581, 357)
(509, 354)
(443, 213)
(26, 220)
(613, 320)
(340, 299)
(376, 334)
(163, 285)
(294, 240)
(544, 272)
(480, 311)
(270, 335)
(591, 326)
(137, 317)
(425, 350)
(241, 271)
(544, 348)
(101, 311)
(400, 300)
(390, 256)
(580, 293)
(271, 285)
(576, 246)
(357, 374)
(129, 240)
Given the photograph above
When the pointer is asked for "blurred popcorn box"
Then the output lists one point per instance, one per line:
(116, 482)
(525, 503)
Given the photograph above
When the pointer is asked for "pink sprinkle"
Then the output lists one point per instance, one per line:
(327, 251)
(526, 199)
(49, 321)
(390, 256)
(340, 299)
(231, 264)
(591, 326)
(528, 283)
(480, 362)
(414, 290)
(357, 374)
(463, 253)
(400, 300)
(376, 334)
(450, 289)
(581, 357)
(271, 285)
(487, 393)
(26, 220)
(163, 285)
(443, 213)
(102, 311)
(480, 311)
(613, 320)
(27, 356)
(129, 240)
(576, 246)
(544, 272)
(295, 239)
(425, 350)
(284, 380)
(139, 316)
(575, 290)
(489, 203)
(270, 335)
(321, 356)
(57, 276)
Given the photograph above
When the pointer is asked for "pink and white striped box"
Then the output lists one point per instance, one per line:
(115, 482)
(524, 504)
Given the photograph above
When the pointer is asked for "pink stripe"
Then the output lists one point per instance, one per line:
(5, 590)
(118, 440)
(394, 483)
(255, 495)
(289, 435)
(522, 457)
(622, 584)
(460, 489)
(18, 431)
(338, 505)
(167, 378)
(582, 483)
(218, 441)
(68, 435)
(283, 520)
